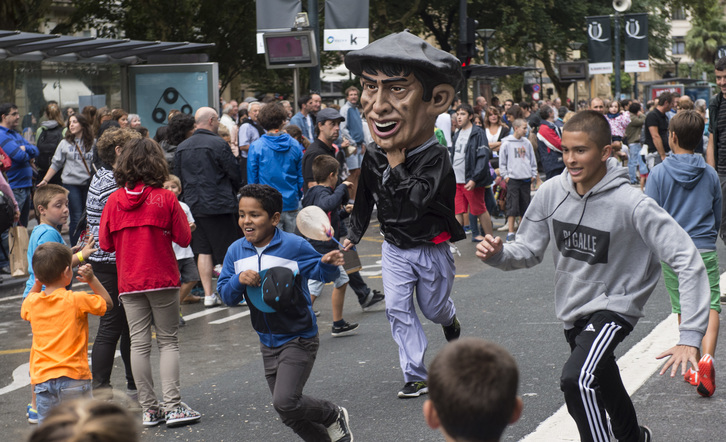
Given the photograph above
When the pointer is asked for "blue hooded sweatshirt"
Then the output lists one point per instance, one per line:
(689, 190)
(276, 160)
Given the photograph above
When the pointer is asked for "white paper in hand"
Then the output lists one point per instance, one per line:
(314, 223)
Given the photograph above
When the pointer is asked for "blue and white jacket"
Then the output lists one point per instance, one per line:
(285, 250)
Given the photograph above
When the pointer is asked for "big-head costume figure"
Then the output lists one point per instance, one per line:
(408, 176)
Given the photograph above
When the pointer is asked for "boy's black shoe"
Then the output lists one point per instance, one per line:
(453, 331)
(413, 389)
(339, 431)
(374, 297)
(645, 434)
(344, 329)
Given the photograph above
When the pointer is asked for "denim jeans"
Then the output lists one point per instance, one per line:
(22, 196)
(633, 161)
(76, 205)
(52, 392)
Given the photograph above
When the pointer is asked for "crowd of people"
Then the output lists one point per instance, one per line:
(432, 168)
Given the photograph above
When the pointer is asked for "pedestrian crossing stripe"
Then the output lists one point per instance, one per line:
(380, 276)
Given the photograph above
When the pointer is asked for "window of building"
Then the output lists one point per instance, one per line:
(679, 14)
(679, 46)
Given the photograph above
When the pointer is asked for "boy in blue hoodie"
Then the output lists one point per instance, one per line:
(275, 159)
(609, 239)
(325, 171)
(689, 190)
(269, 268)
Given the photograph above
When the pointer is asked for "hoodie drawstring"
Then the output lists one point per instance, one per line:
(582, 215)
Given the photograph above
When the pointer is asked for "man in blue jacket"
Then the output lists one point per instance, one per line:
(21, 152)
(276, 160)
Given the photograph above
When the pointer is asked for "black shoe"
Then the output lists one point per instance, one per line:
(413, 389)
(339, 431)
(645, 434)
(182, 322)
(344, 329)
(374, 297)
(452, 332)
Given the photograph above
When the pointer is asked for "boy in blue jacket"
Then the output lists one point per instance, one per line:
(689, 190)
(325, 172)
(269, 268)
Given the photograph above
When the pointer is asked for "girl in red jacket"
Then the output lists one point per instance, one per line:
(139, 223)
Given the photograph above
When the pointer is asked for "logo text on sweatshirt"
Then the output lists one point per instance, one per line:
(582, 243)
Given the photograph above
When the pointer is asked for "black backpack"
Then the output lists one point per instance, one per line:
(47, 143)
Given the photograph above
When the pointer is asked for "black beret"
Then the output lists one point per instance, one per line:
(406, 49)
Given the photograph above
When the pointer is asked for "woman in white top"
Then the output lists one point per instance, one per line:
(74, 155)
(496, 130)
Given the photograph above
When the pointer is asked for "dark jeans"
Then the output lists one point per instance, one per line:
(24, 200)
(287, 369)
(360, 288)
(76, 205)
(112, 328)
(591, 379)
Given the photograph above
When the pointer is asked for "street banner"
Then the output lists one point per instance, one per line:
(275, 15)
(636, 43)
(600, 54)
(346, 25)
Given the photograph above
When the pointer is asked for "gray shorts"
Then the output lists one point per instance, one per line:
(316, 287)
(355, 160)
(188, 270)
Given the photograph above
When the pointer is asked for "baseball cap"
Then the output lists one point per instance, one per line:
(328, 114)
(277, 292)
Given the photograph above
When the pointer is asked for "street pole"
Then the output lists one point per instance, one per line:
(462, 44)
(617, 56)
(296, 86)
(315, 70)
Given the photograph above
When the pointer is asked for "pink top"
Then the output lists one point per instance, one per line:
(618, 124)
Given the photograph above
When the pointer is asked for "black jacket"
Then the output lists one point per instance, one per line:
(209, 173)
(477, 157)
(331, 201)
(415, 200)
(713, 109)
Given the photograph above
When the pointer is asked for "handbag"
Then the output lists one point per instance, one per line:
(18, 241)
(5, 161)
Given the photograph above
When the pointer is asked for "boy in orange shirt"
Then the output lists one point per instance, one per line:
(59, 319)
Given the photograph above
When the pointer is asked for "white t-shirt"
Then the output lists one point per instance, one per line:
(443, 122)
(493, 138)
(179, 251)
(459, 162)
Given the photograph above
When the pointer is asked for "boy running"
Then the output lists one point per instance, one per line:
(687, 188)
(609, 239)
(254, 268)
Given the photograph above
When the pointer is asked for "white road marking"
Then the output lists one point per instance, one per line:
(231, 318)
(21, 378)
(205, 312)
(636, 366)
(11, 298)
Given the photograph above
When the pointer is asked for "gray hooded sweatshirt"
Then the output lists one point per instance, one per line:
(609, 244)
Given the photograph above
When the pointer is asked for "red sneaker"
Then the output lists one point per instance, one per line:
(691, 376)
(706, 376)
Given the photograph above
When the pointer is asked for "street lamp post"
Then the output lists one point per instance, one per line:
(690, 68)
(675, 59)
(485, 35)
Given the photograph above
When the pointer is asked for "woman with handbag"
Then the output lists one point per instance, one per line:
(74, 155)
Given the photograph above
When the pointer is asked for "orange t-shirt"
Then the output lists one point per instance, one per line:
(60, 333)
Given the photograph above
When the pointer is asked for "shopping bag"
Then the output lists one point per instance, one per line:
(18, 242)
(352, 261)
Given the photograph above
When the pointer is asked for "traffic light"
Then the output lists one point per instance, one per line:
(471, 25)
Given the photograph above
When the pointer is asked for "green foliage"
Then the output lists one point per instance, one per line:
(626, 83)
(704, 38)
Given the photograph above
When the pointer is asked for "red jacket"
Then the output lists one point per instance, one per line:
(139, 224)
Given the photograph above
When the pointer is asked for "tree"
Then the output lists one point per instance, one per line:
(704, 38)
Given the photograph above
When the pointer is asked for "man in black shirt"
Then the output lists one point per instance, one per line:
(716, 151)
(656, 129)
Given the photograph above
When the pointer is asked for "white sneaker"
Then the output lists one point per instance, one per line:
(212, 300)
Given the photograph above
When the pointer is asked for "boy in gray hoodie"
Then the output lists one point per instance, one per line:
(687, 188)
(609, 240)
(518, 167)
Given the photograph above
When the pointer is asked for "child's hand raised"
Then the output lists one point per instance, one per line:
(334, 258)
(250, 277)
(85, 273)
(90, 246)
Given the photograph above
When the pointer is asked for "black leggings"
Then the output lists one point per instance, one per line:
(112, 328)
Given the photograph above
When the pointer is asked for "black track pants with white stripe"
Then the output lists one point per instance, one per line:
(591, 379)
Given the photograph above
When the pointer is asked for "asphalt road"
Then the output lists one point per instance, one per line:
(222, 374)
